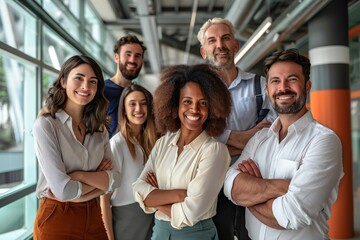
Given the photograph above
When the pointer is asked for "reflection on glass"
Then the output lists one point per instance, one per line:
(48, 79)
(18, 27)
(60, 13)
(55, 50)
(14, 77)
(17, 218)
(94, 48)
(93, 24)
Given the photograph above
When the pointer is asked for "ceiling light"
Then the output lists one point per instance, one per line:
(254, 38)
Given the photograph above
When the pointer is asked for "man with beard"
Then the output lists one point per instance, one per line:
(288, 175)
(128, 55)
(218, 47)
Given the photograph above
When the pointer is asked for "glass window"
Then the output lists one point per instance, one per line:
(17, 100)
(355, 109)
(93, 24)
(93, 48)
(110, 64)
(17, 218)
(73, 6)
(48, 79)
(354, 63)
(55, 50)
(17, 28)
(60, 13)
(109, 44)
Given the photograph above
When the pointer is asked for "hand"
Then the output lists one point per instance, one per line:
(106, 164)
(239, 139)
(262, 124)
(249, 167)
(151, 179)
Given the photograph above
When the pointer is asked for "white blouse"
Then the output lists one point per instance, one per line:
(59, 153)
(130, 169)
(200, 169)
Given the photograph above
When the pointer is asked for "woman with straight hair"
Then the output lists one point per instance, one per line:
(74, 155)
(187, 166)
(131, 146)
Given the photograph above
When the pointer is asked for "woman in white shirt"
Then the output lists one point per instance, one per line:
(72, 148)
(131, 146)
(187, 166)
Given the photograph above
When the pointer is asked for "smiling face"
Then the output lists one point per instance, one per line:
(130, 60)
(286, 88)
(81, 85)
(219, 46)
(193, 108)
(136, 108)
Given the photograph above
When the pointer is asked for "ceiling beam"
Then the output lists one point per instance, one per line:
(288, 22)
(150, 34)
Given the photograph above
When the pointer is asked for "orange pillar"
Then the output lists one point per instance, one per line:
(332, 108)
(330, 99)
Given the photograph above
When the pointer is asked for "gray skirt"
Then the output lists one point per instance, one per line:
(130, 222)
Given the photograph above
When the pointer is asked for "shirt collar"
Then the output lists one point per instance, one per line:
(62, 116)
(195, 144)
(242, 76)
(298, 126)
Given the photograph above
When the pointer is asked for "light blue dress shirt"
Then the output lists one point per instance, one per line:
(244, 110)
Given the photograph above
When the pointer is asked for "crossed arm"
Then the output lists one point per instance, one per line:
(252, 191)
(93, 184)
(162, 199)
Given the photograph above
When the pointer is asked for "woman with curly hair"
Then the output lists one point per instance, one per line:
(72, 148)
(187, 166)
(131, 146)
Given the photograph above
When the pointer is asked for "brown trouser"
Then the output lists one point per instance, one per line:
(66, 220)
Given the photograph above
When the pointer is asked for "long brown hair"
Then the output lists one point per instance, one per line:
(148, 137)
(94, 115)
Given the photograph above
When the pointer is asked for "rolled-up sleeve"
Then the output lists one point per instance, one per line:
(229, 181)
(50, 160)
(314, 187)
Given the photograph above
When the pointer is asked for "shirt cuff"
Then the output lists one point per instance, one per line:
(111, 182)
(79, 192)
(279, 214)
(140, 200)
(229, 182)
(177, 216)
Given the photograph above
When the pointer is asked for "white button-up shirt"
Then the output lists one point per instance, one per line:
(200, 169)
(311, 157)
(59, 153)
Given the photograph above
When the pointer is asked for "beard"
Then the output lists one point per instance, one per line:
(221, 65)
(293, 108)
(129, 74)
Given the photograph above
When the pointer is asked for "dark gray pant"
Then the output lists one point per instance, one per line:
(230, 219)
(240, 229)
